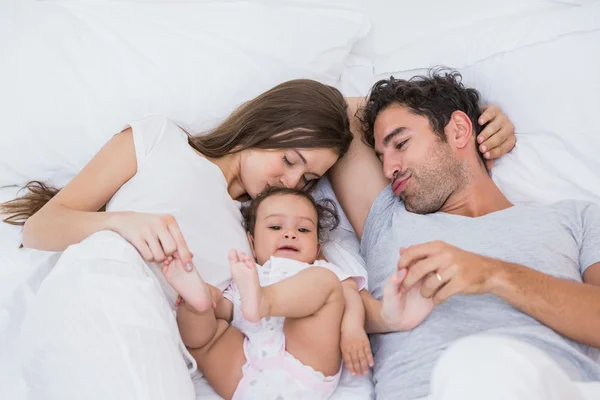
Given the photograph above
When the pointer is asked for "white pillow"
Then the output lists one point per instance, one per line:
(543, 73)
(464, 46)
(72, 74)
(401, 23)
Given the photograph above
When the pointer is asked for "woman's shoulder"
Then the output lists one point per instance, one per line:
(155, 132)
(156, 125)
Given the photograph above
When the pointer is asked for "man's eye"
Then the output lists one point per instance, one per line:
(275, 227)
(401, 144)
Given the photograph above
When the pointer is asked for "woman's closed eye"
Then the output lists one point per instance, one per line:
(287, 162)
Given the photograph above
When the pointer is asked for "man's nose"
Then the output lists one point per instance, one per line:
(391, 169)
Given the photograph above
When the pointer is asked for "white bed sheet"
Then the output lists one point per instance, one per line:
(21, 273)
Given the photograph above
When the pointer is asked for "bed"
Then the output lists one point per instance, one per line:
(74, 72)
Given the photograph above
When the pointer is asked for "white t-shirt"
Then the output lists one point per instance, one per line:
(173, 179)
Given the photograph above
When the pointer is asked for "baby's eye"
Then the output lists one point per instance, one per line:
(275, 227)
(304, 230)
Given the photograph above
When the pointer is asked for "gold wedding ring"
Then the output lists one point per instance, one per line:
(439, 277)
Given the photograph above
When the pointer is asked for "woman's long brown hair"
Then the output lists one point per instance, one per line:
(301, 114)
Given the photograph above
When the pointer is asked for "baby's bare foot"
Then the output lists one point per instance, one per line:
(189, 285)
(245, 276)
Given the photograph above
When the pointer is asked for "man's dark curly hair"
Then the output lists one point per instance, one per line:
(327, 215)
(435, 96)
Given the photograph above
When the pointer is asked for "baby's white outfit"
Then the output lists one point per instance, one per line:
(270, 371)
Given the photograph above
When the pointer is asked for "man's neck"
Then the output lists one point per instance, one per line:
(480, 196)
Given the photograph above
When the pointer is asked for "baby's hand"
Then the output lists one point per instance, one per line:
(356, 351)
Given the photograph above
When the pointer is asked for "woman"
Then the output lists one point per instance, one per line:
(102, 309)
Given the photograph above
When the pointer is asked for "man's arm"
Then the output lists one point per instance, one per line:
(570, 308)
(357, 179)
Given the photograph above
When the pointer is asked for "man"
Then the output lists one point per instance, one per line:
(514, 290)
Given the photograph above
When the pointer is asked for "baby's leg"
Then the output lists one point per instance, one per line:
(189, 285)
(222, 358)
(315, 339)
(312, 302)
(195, 316)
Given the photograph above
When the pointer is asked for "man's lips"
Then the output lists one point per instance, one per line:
(400, 184)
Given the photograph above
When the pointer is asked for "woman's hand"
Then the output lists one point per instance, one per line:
(498, 136)
(156, 237)
(356, 351)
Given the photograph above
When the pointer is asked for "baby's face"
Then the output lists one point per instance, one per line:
(286, 226)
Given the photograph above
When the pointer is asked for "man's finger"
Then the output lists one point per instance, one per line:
(421, 269)
(435, 281)
(445, 292)
(417, 252)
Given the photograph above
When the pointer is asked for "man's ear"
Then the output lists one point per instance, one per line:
(460, 132)
(251, 241)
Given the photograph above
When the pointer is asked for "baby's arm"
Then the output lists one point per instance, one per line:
(356, 348)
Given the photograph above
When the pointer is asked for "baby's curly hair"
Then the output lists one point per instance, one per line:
(327, 215)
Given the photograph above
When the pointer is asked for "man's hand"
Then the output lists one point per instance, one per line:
(356, 351)
(403, 309)
(443, 271)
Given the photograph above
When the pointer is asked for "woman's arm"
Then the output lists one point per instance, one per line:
(357, 178)
(72, 215)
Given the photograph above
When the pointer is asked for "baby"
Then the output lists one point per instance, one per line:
(277, 331)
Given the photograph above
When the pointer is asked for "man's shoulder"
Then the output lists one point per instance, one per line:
(574, 208)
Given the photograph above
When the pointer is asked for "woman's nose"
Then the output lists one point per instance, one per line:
(291, 180)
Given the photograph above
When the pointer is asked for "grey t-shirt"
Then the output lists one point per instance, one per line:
(561, 240)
